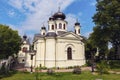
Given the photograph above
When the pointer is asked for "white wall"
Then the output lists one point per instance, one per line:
(50, 52)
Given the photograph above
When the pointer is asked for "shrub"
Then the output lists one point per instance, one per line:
(77, 70)
(114, 64)
(70, 67)
(4, 69)
(44, 68)
(102, 67)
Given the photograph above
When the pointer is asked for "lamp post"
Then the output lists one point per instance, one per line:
(32, 53)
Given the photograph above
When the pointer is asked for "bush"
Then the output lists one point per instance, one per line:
(44, 68)
(114, 64)
(3, 70)
(70, 67)
(77, 70)
(50, 71)
(102, 67)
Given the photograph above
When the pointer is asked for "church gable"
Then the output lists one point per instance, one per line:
(70, 35)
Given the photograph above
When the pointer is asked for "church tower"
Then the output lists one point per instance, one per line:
(51, 24)
(22, 55)
(61, 24)
(77, 28)
(43, 30)
(57, 22)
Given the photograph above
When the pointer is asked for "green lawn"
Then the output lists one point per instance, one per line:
(62, 76)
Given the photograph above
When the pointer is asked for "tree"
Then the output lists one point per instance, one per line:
(10, 41)
(90, 51)
(107, 25)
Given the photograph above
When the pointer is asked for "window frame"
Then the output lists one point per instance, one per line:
(69, 53)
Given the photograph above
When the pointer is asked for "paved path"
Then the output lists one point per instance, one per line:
(21, 67)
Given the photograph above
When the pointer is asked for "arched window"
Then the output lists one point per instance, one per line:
(75, 31)
(52, 27)
(60, 26)
(23, 60)
(43, 33)
(24, 49)
(69, 53)
(78, 30)
(64, 26)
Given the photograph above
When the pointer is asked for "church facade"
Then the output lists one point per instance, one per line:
(58, 47)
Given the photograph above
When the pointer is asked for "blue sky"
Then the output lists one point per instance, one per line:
(28, 16)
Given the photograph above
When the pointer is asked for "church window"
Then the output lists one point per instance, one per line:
(52, 27)
(69, 53)
(23, 60)
(24, 49)
(64, 26)
(43, 33)
(78, 30)
(75, 31)
(60, 26)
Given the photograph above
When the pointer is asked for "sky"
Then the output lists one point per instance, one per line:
(28, 16)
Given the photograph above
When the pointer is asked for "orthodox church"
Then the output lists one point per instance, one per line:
(56, 47)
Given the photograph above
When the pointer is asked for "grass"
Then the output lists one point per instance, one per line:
(116, 70)
(85, 75)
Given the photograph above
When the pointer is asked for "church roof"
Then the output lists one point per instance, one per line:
(59, 15)
(51, 34)
(37, 36)
(61, 32)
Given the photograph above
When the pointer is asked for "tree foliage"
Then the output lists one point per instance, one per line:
(9, 41)
(90, 49)
(107, 25)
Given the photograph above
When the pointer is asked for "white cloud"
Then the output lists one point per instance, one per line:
(38, 12)
(71, 18)
(93, 3)
(11, 13)
(80, 14)
(16, 3)
(87, 34)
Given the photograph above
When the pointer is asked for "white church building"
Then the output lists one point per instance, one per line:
(56, 47)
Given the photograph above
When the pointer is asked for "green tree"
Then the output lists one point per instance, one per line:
(9, 41)
(90, 51)
(107, 25)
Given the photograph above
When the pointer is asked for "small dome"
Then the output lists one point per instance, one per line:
(51, 18)
(77, 23)
(59, 15)
(43, 28)
(25, 37)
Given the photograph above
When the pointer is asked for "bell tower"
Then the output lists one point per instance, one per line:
(43, 30)
(77, 28)
(51, 24)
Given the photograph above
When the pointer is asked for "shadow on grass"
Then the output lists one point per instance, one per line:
(8, 74)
